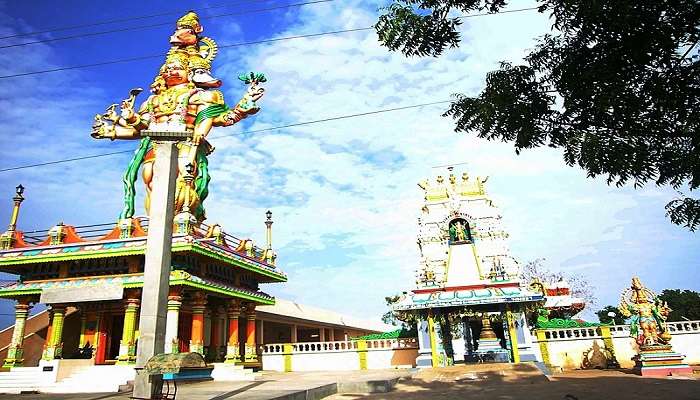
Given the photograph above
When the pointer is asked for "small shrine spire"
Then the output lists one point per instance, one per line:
(7, 239)
(18, 199)
(268, 223)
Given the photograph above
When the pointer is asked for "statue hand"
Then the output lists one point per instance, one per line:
(197, 138)
(127, 111)
(255, 92)
(100, 130)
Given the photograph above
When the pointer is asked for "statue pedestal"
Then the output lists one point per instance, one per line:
(660, 361)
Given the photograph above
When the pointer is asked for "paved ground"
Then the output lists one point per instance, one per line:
(272, 385)
(488, 381)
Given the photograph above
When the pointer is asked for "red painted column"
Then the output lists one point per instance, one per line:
(251, 352)
(233, 349)
(197, 337)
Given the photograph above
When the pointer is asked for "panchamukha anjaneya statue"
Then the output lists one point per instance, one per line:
(648, 315)
(184, 99)
(648, 326)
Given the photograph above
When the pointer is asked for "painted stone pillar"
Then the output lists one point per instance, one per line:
(321, 334)
(293, 335)
(217, 323)
(15, 351)
(513, 335)
(331, 336)
(424, 359)
(468, 341)
(199, 307)
(233, 349)
(260, 332)
(172, 322)
(83, 326)
(434, 357)
(54, 346)
(127, 346)
(251, 353)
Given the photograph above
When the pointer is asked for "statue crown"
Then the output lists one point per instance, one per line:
(189, 21)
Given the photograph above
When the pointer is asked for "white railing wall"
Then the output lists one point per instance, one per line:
(340, 355)
(566, 347)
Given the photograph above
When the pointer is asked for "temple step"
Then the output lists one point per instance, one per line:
(94, 379)
(230, 372)
(22, 379)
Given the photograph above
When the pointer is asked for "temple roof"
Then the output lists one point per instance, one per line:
(466, 296)
(128, 281)
(224, 248)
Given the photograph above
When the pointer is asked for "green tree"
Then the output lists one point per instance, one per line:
(615, 85)
(605, 318)
(683, 303)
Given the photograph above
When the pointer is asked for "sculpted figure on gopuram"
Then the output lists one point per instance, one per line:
(648, 315)
(184, 99)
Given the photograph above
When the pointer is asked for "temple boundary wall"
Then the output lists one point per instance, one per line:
(566, 348)
(340, 355)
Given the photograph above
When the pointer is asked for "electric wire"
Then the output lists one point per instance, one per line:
(90, 34)
(139, 58)
(127, 19)
(340, 117)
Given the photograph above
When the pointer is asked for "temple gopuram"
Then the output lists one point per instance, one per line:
(467, 276)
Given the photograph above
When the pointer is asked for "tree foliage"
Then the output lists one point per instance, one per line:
(605, 318)
(615, 85)
(683, 303)
(579, 285)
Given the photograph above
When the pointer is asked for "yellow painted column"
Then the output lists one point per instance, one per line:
(513, 334)
(542, 341)
(362, 353)
(609, 347)
(433, 341)
(55, 346)
(127, 346)
(15, 351)
(83, 324)
(287, 351)
(96, 335)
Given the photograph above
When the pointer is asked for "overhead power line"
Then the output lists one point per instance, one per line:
(317, 121)
(139, 58)
(124, 60)
(89, 34)
(127, 19)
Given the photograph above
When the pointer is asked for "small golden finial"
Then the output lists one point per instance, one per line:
(465, 177)
(440, 179)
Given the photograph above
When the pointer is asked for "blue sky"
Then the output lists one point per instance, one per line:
(344, 193)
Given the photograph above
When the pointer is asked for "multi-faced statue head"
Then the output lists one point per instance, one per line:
(176, 70)
(200, 73)
(187, 30)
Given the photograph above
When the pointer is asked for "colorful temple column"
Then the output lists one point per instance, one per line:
(513, 335)
(127, 345)
(199, 307)
(15, 351)
(233, 350)
(215, 339)
(54, 337)
(83, 328)
(251, 353)
(172, 321)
